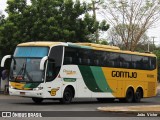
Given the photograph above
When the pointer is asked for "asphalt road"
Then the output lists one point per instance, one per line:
(14, 103)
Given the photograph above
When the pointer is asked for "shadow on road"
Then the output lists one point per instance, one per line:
(82, 102)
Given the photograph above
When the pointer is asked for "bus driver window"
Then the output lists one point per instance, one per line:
(51, 71)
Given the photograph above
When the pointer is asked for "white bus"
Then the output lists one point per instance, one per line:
(57, 70)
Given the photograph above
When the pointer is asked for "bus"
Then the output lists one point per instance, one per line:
(63, 71)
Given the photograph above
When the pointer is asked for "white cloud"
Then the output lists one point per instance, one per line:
(3, 5)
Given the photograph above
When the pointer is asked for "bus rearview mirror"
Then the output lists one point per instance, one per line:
(4, 59)
(43, 60)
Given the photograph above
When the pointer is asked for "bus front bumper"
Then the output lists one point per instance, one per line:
(26, 93)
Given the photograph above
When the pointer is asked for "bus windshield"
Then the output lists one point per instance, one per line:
(26, 70)
(25, 66)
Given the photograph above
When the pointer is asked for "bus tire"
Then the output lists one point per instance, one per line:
(138, 95)
(37, 100)
(67, 96)
(129, 95)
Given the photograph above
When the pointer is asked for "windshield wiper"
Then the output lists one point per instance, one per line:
(22, 72)
(29, 77)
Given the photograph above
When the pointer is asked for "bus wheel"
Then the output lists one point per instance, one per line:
(129, 95)
(67, 96)
(37, 100)
(138, 95)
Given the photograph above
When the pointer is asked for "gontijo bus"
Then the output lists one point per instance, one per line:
(57, 70)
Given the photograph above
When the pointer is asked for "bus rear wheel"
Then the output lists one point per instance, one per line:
(138, 95)
(37, 100)
(67, 96)
(129, 95)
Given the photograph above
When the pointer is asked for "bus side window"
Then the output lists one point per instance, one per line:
(138, 60)
(54, 62)
(80, 61)
(70, 56)
(125, 60)
(110, 64)
(153, 63)
(68, 60)
(146, 63)
(86, 61)
(134, 65)
(115, 58)
(95, 58)
(96, 62)
(51, 72)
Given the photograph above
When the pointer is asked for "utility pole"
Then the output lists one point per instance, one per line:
(153, 42)
(148, 45)
(153, 38)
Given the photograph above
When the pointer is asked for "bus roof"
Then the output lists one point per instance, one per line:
(40, 43)
(84, 45)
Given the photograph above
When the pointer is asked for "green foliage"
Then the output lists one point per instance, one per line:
(157, 53)
(104, 42)
(104, 26)
(47, 20)
(2, 19)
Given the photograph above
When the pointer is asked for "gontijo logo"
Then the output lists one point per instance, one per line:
(69, 72)
(124, 74)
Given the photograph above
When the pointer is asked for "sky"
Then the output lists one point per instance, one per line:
(152, 32)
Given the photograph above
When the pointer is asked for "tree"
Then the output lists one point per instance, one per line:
(114, 36)
(157, 53)
(103, 26)
(2, 20)
(53, 20)
(10, 29)
(47, 20)
(130, 15)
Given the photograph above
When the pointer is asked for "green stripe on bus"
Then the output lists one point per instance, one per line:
(89, 78)
(31, 85)
(27, 85)
(69, 79)
(100, 79)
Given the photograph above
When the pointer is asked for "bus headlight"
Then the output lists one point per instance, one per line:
(38, 88)
(11, 87)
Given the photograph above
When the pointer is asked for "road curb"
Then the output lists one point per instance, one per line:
(132, 109)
